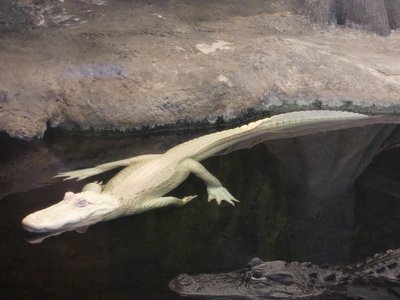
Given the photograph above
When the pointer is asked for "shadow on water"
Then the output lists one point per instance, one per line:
(324, 197)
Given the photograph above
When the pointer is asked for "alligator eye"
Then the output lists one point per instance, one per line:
(257, 275)
(82, 203)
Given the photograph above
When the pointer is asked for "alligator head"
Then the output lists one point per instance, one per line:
(74, 212)
(274, 279)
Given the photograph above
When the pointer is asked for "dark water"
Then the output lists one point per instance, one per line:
(327, 197)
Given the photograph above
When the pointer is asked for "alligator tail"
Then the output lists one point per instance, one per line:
(215, 143)
(297, 118)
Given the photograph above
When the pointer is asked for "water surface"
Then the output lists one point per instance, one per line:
(325, 197)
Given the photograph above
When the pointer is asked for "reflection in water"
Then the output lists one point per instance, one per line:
(296, 204)
(321, 171)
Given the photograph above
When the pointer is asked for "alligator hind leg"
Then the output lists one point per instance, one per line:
(85, 173)
(163, 201)
(214, 187)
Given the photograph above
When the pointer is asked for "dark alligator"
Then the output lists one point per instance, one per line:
(294, 280)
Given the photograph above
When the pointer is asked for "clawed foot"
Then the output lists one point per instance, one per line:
(78, 175)
(186, 199)
(220, 194)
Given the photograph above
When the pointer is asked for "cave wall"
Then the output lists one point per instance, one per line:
(379, 16)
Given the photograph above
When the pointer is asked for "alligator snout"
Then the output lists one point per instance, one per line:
(182, 284)
(30, 221)
(185, 279)
(36, 223)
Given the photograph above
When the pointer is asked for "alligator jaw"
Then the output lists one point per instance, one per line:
(28, 226)
(39, 227)
(187, 285)
(36, 224)
(230, 285)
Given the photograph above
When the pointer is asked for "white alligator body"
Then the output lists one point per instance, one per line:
(141, 186)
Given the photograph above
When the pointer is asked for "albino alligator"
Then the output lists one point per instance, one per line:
(282, 280)
(141, 186)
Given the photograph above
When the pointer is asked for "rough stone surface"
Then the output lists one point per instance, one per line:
(132, 64)
(371, 14)
(393, 9)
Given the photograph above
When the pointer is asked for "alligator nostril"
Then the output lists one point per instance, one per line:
(27, 220)
(31, 221)
(35, 218)
(185, 279)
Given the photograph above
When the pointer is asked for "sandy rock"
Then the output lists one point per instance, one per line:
(125, 65)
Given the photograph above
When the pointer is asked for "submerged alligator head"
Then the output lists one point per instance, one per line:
(273, 279)
(282, 280)
(75, 212)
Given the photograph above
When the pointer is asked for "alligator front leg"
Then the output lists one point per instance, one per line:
(162, 202)
(85, 173)
(214, 187)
